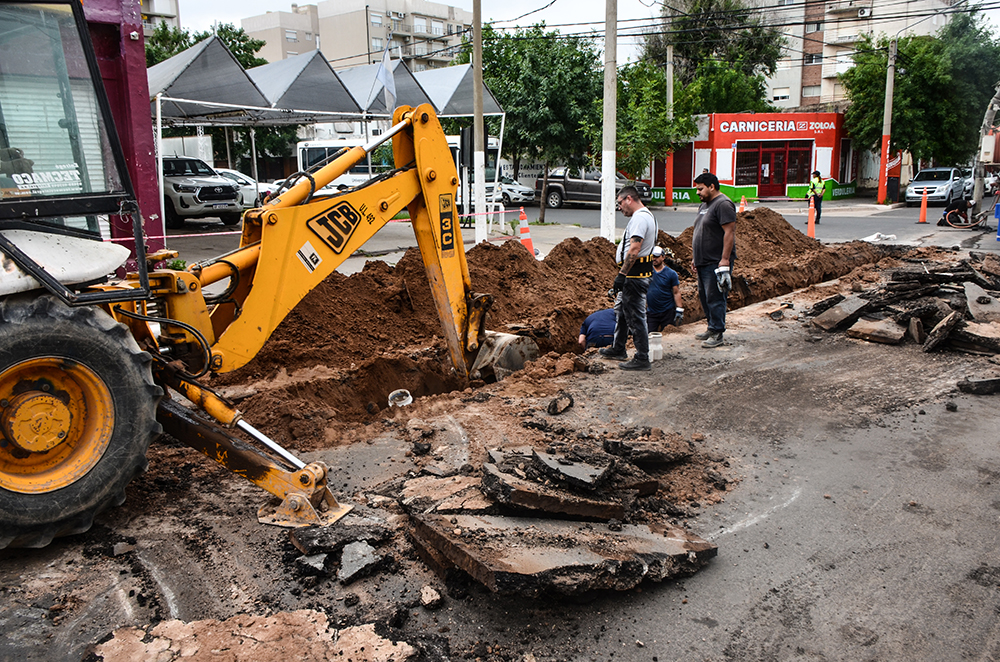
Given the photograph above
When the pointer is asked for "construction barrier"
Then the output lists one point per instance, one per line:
(811, 230)
(526, 233)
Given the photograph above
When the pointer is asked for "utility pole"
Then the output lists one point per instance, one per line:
(890, 77)
(609, 151)
(478, 155)
(668, 159)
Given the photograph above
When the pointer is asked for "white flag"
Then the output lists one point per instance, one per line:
(384, 76)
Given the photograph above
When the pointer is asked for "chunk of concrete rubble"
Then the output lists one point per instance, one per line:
(842, 314)
(983, 306)
(430, 598)
(979, 386)
(916, 330)
(976, 338)
(331, 539)
(884, 331)
(301, 635)
(666, 451)
(314, 564)
(586, 475)
(444, 495)
(359, 559)
(510, 490)
(531, 557)
(940, 332)
(559, 404)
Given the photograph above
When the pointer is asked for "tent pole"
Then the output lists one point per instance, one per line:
(159, 160)
(229, 154)
(253, 151)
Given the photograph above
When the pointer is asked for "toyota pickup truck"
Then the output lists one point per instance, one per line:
(579, 185)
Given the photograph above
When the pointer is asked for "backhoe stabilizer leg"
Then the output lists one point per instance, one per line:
(302, 495)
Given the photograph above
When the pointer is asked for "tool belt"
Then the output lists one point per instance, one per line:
(643, 267)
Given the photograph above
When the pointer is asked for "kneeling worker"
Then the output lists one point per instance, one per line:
(598, 329)
(663, 299)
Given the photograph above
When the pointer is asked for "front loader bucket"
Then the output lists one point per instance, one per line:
(501, 354)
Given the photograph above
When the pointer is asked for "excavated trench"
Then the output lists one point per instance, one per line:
(355, 339)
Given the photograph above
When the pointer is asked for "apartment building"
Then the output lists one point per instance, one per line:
(285, 33)
(424, 34)
(155, 12)
(821, 38)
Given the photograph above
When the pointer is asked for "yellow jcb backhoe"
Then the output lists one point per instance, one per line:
(92, 367)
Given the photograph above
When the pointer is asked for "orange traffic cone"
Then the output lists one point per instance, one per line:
(526, 233)
(743, 204)
(811, 230)
(923, 208)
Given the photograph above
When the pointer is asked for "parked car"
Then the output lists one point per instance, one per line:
(577, 185)
(511, 191)
(251, 192)
(942, 185)
(192, 189)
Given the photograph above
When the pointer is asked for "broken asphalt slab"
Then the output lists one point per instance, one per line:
(511, 490)
(531, 557)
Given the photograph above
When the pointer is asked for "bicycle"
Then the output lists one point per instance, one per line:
(962, 221)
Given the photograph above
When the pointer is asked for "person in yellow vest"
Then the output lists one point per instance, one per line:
(816, 189)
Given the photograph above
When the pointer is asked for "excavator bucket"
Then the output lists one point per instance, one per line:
(501, 354)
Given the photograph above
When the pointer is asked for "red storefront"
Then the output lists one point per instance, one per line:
(769, 151)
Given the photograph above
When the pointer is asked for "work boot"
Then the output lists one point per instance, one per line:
(704, 336)
(636, 364)
(610, 353)
(713, 340)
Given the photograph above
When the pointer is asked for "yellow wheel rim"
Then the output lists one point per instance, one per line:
(56, 421)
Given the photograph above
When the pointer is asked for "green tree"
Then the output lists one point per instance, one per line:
(942, 86)
(643, 131)
(722, 32)
(719, 87)
(546, 83)
(166, 42)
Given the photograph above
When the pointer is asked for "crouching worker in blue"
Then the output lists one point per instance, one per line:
(598, 330)
(663, 300)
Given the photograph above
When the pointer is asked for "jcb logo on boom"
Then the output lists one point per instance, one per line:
(336, 225)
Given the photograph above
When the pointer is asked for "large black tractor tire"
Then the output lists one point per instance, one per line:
(77, 414)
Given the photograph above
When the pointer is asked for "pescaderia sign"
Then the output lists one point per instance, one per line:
(775, 126)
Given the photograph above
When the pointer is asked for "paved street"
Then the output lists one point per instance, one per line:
(843, 221)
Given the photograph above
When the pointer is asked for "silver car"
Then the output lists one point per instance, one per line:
(192, 189)
(941, 184)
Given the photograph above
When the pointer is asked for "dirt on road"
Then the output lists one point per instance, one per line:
(184, 571)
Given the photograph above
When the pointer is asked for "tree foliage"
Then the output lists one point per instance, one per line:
(546, 83)
(942, 86)
(720, 87)
(643, 132)
(720, 33)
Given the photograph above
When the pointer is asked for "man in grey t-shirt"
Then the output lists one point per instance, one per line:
(713, 250)
(634, 257)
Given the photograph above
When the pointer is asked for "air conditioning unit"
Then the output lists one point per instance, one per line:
(864, 12)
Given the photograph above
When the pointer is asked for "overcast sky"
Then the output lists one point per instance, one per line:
(198, 16)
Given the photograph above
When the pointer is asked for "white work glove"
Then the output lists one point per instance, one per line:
(678, 316)
(725, 280)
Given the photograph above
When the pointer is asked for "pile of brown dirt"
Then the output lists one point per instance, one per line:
(378, 330)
